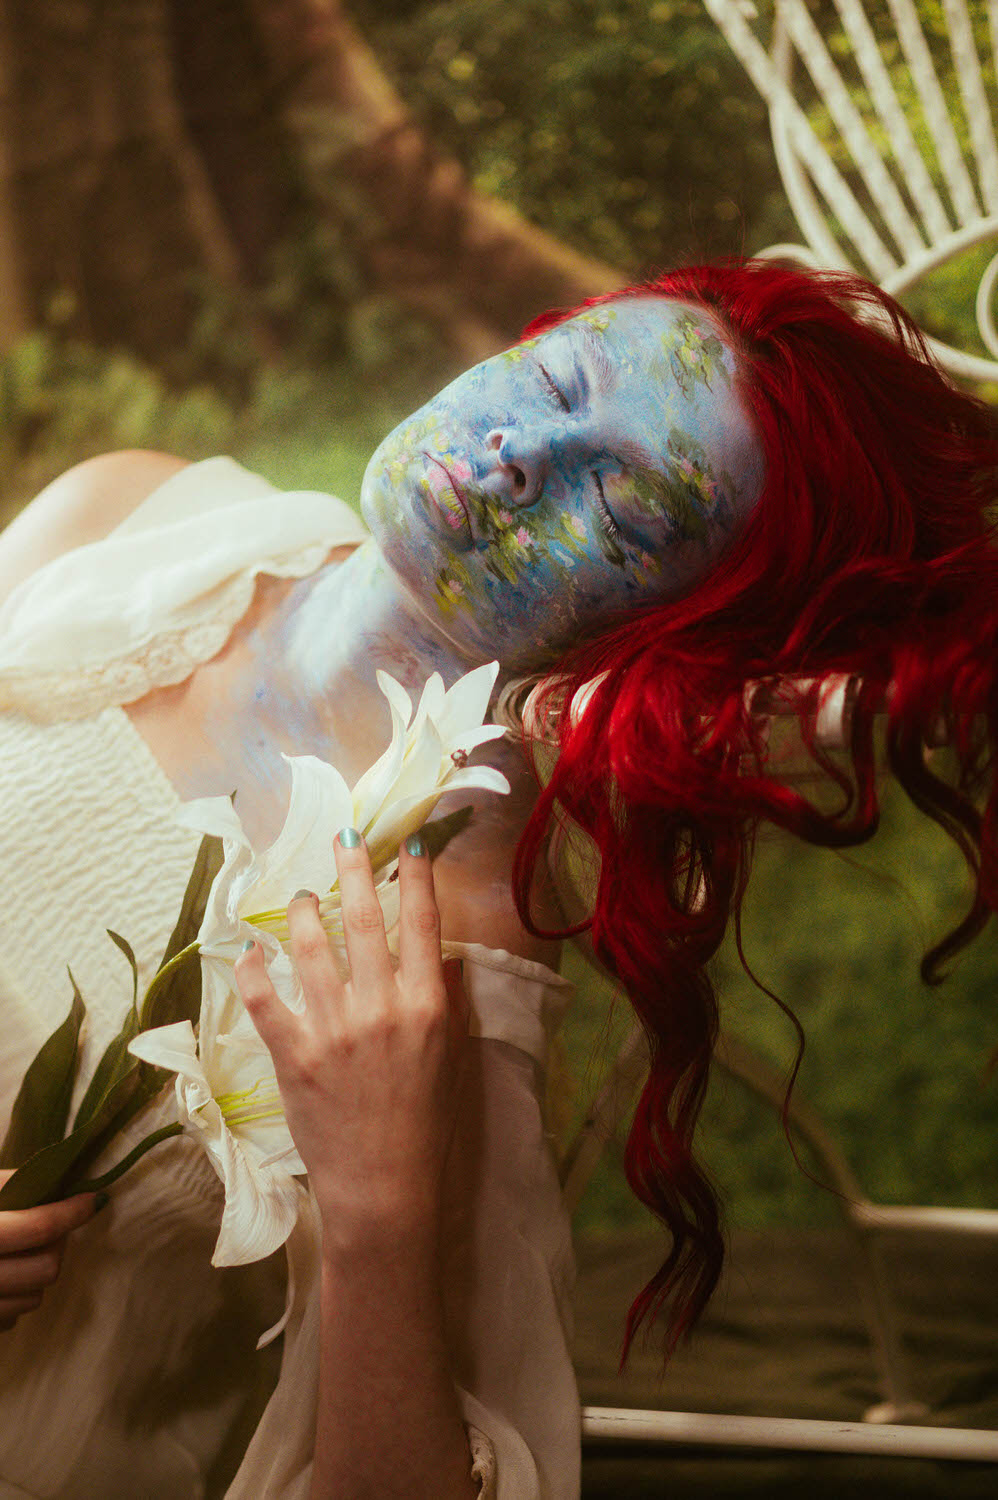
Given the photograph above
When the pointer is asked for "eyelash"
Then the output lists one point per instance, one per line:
(559, 395)
(603, 510)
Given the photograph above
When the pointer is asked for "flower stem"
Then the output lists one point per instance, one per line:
(95, 1184)
(161, 975)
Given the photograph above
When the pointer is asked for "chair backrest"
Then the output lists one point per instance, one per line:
(907, 177)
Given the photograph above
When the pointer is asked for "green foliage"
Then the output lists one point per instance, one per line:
(62, 401)
(305, 426)
(41, 1108)
(49, 1166)
(626, 127)
(900, 1071)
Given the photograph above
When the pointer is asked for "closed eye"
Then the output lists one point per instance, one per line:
(555, 390)
(603, 510)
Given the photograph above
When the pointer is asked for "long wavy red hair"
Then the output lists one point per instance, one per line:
(870, 552)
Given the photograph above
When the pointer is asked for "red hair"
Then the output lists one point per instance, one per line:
(869, 552)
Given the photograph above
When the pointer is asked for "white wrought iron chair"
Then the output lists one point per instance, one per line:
(891, 192)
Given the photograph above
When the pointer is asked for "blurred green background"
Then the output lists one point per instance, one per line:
(626, 129)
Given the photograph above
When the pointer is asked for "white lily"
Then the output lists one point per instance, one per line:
(227, 1092)
(229, 1102)
(426, 759)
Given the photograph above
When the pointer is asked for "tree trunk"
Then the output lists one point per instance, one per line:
(14, 319)
(109, 186)
(156, 143)
(472, 263)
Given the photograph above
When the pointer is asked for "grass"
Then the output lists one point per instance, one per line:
(900, 1071)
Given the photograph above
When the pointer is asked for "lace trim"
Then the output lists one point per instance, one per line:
(169, 658)
(483, 1463)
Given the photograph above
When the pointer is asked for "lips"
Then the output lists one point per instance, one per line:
(446, 492)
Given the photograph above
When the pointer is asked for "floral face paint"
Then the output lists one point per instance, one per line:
(600, 466)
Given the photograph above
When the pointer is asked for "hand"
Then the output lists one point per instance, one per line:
(367, 1072)
(32, 1241)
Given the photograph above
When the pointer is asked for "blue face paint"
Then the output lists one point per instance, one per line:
(600, 466)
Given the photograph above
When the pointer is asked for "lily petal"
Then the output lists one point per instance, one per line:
(302, 853)
(172, 1047)
(261, 1207)
(214, 815)
(467, 702)
(397, 696)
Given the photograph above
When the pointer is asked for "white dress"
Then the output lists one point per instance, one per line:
(139, 1374)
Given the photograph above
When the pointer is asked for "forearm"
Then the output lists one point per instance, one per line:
(389, 1424)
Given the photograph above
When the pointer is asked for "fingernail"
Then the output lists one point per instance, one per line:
(101, 1200)
(414, 844)
(303, 895)
(249, 943)
(349, 838)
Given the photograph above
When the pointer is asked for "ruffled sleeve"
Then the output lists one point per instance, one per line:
(105, 623)
(508, 1269)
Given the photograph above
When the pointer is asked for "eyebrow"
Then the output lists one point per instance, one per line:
(592, 346)
(593, 349)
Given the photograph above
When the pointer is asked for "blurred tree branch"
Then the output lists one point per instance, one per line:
(477, 267)
(159, 146)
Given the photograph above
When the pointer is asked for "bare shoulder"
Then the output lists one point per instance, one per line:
(80, 506)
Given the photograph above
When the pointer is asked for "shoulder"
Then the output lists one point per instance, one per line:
(80, 506)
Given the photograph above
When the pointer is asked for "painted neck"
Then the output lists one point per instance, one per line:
(355, 619)
(316, 669)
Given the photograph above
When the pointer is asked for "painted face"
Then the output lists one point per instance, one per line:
(597, 467)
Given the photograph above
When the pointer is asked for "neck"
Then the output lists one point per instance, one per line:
(335, 631)
(357, 620)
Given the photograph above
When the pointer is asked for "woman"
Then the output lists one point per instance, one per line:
(674, 493)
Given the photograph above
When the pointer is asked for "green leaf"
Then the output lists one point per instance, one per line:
(121, 1085)
(42, 1104)
(116, 1061)
(129, 1094)
(175, 995)
(436, 836)
(207, 864)
(126, 949)
(47, 1175)
(113, 1066)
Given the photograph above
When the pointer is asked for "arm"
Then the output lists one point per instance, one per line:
(367, 1079)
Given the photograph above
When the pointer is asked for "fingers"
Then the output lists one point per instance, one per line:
(27, 1229)
(28, 1275)
(419, 919)
(271, 1017)
(363, 920)
(12, 1308)
(32, 1242)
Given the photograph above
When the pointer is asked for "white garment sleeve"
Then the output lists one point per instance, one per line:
(507, 1276)
(105, 623)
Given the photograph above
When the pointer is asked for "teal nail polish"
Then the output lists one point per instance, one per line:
(414, 844)
(249, 943)
(303, 895)
(101, 1200)
(349, 838)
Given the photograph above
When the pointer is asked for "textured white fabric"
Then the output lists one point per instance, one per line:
(69, 648)
(139, 1373)
(483, 1463)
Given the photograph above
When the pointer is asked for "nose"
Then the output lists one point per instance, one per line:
(521, 464)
